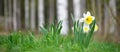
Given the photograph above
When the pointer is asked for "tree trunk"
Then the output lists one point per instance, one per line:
(99, 15)
(77, 9)
(63, 14)
(40, 13)
(18, 14)
(33, 15)
(1, 6)
(113, 13)
(93, 6)
(10, 15)
(102, 18)
(82, 7)
(46, 13)
(14, 15)
(27, 22)
(51, 11)
(106, 19)
(6, 15)
(70, 10)
(112, 4)
(117, 18)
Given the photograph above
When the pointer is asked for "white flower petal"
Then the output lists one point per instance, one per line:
(86, 25)
(81, 20)
(93, 18)
(86, 28)
(84, 15)
(88, 13)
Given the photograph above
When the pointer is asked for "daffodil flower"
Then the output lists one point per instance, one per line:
(88, 19)
(86, 28)
(96, 28)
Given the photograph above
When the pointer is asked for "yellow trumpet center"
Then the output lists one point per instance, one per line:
(85, 29)
(88, 19)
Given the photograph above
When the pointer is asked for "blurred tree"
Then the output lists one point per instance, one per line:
(1, 3)
(117, 18)
(6, 15)
(51, 11)
(77, 10)
(46, 13)
(70, 10)
(27, 16)
(10, 14)
(41, 13)
(62, 12)
(33, 14)
(18, 14)
(14, 15)
(99, 15)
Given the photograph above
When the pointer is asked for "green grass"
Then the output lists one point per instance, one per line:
(27, 42)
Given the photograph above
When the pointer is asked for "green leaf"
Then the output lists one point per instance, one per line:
(72, 17)
(88, 38)
(44, 31)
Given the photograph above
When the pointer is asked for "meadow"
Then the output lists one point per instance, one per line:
(27, 42)
(51, 39)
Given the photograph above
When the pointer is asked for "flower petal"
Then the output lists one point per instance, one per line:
(81, 20)
(96, 28)
(86, 24)
(84, 15)
(88, 13)
(86, 28)
(93, 18)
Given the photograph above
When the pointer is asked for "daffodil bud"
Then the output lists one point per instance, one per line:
(96, 28)
(86, 28)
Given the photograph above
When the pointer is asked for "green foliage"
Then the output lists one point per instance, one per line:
(81, 38)
(52, 34)
(17, 41)
(2, 40)
(53, 41)
(26, 42)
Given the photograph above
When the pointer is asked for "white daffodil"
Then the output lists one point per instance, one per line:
(96, 28)
(86, 28)
(88, 19)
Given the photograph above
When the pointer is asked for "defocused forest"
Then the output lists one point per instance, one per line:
(27, 15)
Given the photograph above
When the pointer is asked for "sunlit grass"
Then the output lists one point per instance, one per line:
(31, 44)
